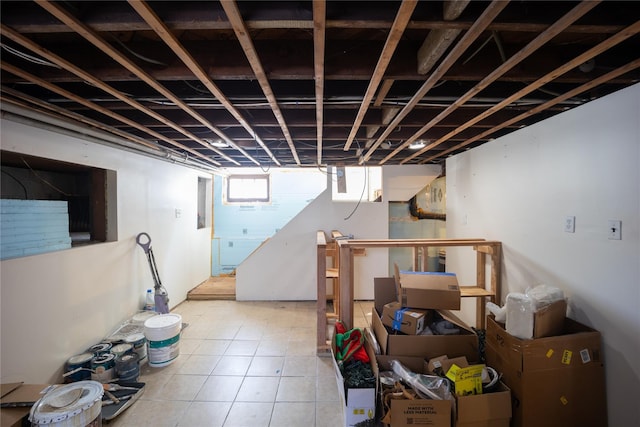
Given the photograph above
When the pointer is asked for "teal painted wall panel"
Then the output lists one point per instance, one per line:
(241, 229)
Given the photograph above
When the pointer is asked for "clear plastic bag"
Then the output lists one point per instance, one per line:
(427, 386)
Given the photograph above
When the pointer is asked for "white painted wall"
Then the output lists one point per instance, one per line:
(284, 268)
(56, 305)
(519, 188)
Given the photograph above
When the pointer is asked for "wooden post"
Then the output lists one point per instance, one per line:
(346, 283)
(321, 307)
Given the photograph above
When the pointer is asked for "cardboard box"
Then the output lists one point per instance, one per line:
(424, 346)
(555, 381)
(549, 321)
(420, 412)
(359, 403)
(404, 319)
(445, 363)
(427, 289)
(18, 399)
(485, 410)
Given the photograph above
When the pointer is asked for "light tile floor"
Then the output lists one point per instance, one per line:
(243, 364)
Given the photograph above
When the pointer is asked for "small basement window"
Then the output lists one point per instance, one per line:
(50, 205)
(248, 189)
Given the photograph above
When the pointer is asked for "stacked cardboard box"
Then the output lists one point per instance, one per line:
(414, 351)
(555, 381)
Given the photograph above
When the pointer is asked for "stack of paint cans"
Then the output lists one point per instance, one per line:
(139, 343)
(78, 368)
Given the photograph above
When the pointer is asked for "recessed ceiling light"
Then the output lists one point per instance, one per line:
(218, 143)
(417, 145)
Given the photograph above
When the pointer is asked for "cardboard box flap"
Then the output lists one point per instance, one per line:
(447, 315)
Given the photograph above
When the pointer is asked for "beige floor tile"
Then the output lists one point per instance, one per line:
(151, 413)
(266, 366)
(299, 366)
(327, 389)
(232, 365)
(272, 348)
(220, 388)
(297, 389)
(301, 348)
(212, 347)
(250, 332)
(222, 331)
(242, 348)
(329, 414)
(199, 365)
(187, 346)
(258, 389)
(181, 387)
(209, 414)
(249, 414)
(287, 414)
(325, 366)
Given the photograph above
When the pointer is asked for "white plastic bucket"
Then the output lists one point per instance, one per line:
(163, 338)
(58, 408)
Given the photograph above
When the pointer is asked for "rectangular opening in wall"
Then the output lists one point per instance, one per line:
(204, 202)
(247, 189)
(352, 184)
(33, 188)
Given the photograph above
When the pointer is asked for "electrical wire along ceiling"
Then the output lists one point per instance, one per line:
(308, 83)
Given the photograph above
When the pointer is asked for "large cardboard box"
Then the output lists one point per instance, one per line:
(427, 289)
(424, 346)
(17, 399)
(555, 381)
(485, 410)
(404, 319)
(359, 403)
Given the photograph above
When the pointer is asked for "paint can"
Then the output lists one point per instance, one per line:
(71, 405)
(121, 349)
(139, 343)
(140, 318)
(128, 367)
(81, 364)
(100, 348)
(103, 367)
(163, 335)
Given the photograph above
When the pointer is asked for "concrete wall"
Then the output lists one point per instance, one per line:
(57, 304)
(519, 188)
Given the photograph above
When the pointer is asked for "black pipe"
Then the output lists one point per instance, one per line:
(417, 212)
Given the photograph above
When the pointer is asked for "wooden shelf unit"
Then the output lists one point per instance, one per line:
(485, 249)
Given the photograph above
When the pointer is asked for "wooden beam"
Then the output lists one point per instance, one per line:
(397, 29)
(319, 28)
(66, 65)
(452, 9)
(242, 34)
(480, 25)
(382, 92)
(434, 46)
(145, 11)
(577, 61)
(28, 102)
(91, 36)
(95, 107)
(556, 28)
(542, 107)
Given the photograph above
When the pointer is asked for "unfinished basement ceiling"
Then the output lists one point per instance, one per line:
(307, 83)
